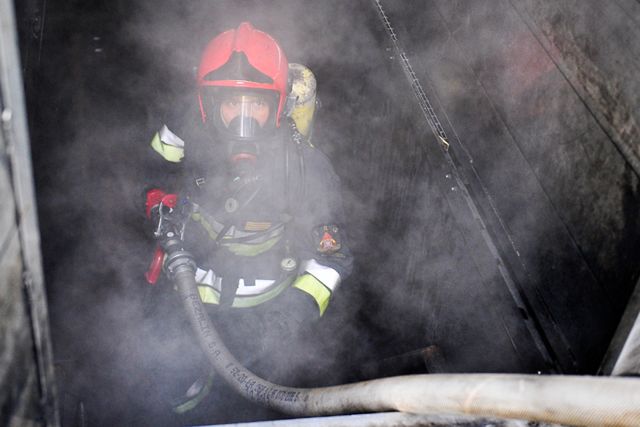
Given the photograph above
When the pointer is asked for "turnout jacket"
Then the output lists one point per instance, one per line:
(255, 237)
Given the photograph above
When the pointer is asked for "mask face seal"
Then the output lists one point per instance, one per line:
(241, 119)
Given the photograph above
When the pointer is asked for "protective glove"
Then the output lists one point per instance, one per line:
(166, 211)
(156, 198)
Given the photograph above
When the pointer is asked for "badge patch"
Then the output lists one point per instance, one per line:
(329, 240)
(256, 226)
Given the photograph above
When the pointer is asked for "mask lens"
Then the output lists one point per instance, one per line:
(240, 114)
(245, 116)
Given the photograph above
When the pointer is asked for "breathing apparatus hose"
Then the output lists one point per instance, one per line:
(573, 400)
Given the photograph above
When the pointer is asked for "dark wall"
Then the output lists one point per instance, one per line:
(543, 149)
(513, 252)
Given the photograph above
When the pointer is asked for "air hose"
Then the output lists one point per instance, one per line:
(573, 400)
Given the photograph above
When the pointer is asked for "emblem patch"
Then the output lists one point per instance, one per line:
(329, 239)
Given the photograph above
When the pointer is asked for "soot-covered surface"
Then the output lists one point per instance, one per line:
(558, 200)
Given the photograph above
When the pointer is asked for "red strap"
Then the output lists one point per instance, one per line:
(155, 267)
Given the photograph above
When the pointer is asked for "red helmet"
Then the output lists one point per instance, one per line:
(246, 64)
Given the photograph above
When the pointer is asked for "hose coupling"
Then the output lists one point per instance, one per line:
(179, 261)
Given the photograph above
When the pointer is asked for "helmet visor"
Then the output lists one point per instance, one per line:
(242, 114)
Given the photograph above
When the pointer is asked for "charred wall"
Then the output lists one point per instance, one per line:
(546, 149)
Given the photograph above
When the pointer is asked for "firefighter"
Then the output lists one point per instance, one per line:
(260, 206)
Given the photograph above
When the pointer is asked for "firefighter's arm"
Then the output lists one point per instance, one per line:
(163, 169)
(325, 257)
(319, 289)
(322, 270)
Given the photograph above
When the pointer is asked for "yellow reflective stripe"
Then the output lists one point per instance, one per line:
(198, 218)
(241, 249)
(168, 152)
(309, 284)
(209, 295)
(259, 299)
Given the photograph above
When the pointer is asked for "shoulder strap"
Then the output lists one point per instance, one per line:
(298, 141)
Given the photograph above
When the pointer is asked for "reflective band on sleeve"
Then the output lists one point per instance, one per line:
(309, 284)
(168, 145)
(169, 138)
(327, 275)
(252, 247)
(208, 295)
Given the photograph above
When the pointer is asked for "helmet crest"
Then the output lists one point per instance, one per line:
(244, 58)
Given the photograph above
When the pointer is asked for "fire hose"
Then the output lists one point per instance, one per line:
(573, 400)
